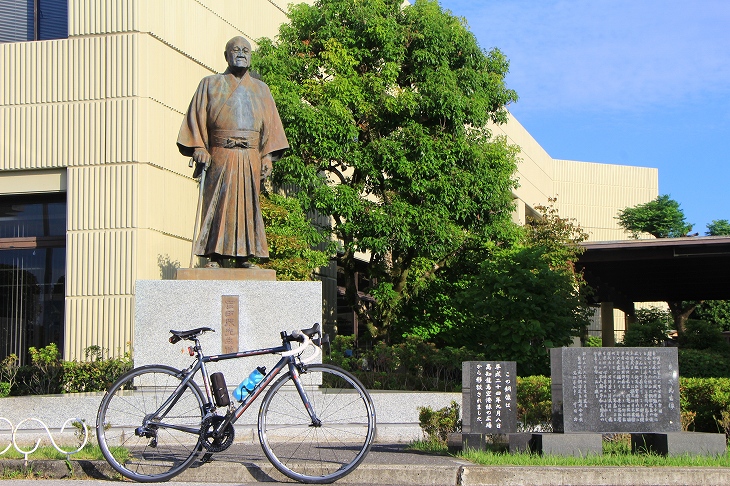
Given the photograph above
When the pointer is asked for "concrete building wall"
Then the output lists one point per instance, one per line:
(594, 193)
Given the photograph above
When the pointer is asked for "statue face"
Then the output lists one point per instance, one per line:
(238, 53)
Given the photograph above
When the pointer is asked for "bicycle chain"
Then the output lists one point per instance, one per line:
(210, 441)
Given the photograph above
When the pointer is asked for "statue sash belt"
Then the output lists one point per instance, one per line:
(235, 139)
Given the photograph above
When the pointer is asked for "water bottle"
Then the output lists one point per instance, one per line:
(247, 385)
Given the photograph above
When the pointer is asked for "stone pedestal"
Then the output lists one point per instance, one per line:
(567, 444)
(519, 442)
(264, 309)
(254, 273)
(679, 444)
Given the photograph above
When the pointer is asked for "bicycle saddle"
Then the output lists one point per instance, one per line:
(191, 334)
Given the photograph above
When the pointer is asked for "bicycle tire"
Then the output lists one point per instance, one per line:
(154, 453)
(323, 453)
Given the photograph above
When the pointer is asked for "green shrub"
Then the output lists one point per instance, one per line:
(534, 403)
(593, 342)
(414, 365)
(97, 375)
(703, 335)
(650, 329)
(438, 424)
(695, 363)
(708, 398)
(46, 369)
(47, 374)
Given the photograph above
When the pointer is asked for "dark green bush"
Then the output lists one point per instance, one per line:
(703, 335)
(414, 365)
(695, 363)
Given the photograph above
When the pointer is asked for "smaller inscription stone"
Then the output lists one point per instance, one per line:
(229, 324)
(488, 396)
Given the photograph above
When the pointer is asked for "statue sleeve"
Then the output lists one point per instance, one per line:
(194, 129)
(273, 139)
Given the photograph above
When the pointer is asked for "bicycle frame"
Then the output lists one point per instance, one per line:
(231, 418)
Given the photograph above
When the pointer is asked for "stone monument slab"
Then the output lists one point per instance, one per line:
(264, 308)
(489, 400)
(613, 390)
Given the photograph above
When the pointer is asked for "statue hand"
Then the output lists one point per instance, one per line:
(202, 156)
(265, 167)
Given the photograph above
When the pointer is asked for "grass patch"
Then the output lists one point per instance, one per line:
(616, 452)
(489, 458)
(90, 452)
(430, 446)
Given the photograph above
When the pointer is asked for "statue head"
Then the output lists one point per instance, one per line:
(238, 53)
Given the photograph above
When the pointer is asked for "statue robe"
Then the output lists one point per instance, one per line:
(231, 223)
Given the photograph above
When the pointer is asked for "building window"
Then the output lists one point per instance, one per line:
(27, 20)
(32, 272)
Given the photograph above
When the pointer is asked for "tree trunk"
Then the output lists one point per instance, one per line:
(681, 311)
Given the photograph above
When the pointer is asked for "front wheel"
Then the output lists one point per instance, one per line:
(141, 439)
(328, 448)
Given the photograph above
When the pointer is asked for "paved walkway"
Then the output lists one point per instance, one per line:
(394, 465)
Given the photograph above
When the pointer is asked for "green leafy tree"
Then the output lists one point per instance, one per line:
(716, 312)
(292, 239)
(661, 218)
(511, 301)
(386, 108)
(650, 329)
(718, 227)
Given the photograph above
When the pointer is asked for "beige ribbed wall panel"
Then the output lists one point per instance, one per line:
(167, 201)
(102, 197)
(60, 135)
(157, 135)
(89, 17)
(594, 193)
(100, 263)
(80, 69)
(170, 77)
(534, 172)
(102, 321)
(158, 252)
(201, 29)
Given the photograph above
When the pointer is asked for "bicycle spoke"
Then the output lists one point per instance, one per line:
(323, 452)
(165, 446)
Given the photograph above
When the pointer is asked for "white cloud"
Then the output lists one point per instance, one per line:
(606, 54)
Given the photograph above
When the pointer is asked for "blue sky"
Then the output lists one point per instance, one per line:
(632, 82)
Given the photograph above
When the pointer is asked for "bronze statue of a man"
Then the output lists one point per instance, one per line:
(233, 128)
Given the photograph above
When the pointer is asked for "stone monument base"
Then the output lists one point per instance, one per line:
(253, 273)
(679, 444)
(566, 444)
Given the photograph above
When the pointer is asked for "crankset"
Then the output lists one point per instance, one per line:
(216, 441)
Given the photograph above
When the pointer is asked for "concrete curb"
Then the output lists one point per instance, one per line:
(458, 474)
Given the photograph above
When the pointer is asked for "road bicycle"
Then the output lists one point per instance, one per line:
(315, 425)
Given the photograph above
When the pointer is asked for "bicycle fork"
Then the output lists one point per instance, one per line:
(294, 370)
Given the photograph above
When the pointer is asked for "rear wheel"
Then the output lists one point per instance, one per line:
(334, 445)
(142, 442)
